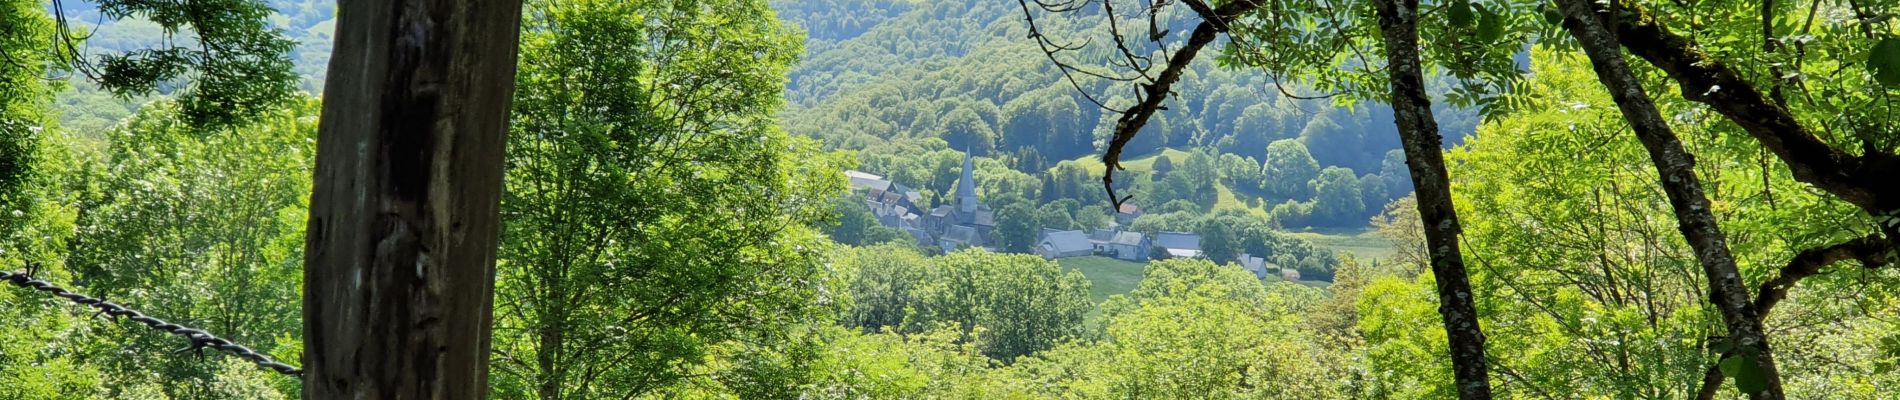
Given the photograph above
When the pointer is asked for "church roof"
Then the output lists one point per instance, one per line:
(984, 217)
(961, 234)
(966, 186)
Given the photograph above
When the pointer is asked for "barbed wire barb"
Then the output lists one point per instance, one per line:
(199, 339)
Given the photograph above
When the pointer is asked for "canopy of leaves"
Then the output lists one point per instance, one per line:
(653, 210)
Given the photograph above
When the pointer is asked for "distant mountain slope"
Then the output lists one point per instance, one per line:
(965, 71)
(309, 22)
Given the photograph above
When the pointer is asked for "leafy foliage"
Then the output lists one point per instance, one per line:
(695, 214)
(236, 62)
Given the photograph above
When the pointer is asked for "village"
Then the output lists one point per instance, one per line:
(965, 222)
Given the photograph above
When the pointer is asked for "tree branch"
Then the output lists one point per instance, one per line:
(1864, 181)
(1155, 88)
(1873, 251)
(1152, 94)
(1687, 199)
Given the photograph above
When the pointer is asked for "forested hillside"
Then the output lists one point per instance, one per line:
(903, 199)
(885, 77)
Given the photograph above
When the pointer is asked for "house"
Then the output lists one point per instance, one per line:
(1101, 237)
(1179, 244)
(959, 236)
(1063, 244)
(922, 238)
(1256, 265)
(864, 181)
(1126, 214)
(1131, 246)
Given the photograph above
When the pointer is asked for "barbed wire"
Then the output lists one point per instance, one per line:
(200, 339)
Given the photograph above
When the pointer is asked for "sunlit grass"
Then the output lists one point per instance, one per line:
(1363, 243)
(1107, 276)
(1226, 198)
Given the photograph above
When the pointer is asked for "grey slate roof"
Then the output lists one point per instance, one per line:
(1253, 264)
(865, 181)
(1068, 241)
(966, 185)
(1179, 240)
(918, 234)
(985, 217)
(961, 234)
(1127, 238)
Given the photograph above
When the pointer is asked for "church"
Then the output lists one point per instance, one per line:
(965, 221)
(961, 222)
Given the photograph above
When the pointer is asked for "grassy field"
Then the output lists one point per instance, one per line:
(1225, 197)
(1142, 162)
(1362, 243)
(1107, 276)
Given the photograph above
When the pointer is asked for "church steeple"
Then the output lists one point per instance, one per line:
(966, 186)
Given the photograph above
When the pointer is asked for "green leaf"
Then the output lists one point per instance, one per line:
(1731, 366)
(1884, 61)
(1746, 368)
(1461, 13)
(1490, 25)
(1551, 15)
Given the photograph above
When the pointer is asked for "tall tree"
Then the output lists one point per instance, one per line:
(400, 257)
(1337, 197)
(1017, 227)
(202, 228)
(24, 29)
(1398, 21)
(1288, 170)
(655, 214)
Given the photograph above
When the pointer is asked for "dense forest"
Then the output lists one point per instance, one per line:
(908, 84)
(1384, 199)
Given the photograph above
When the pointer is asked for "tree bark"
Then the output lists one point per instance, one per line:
(1677, 169)
(1418, 132)
(400, 257)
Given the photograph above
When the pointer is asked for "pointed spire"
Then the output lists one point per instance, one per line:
(966, 186)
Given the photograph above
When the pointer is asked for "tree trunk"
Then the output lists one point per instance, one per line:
(400, 256)
(1677, 169)
(1418, 130)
